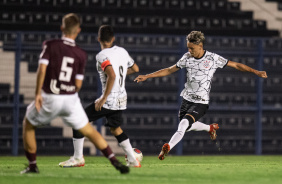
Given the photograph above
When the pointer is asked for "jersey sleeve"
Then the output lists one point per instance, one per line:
(45, 54)
(130, 62)
(181, 63)
(103, 61)
(221, 62)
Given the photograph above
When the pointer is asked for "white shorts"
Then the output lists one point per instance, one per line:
(68, 107)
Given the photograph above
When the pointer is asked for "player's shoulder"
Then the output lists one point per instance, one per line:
(115, 48)
(187, 55)
(209, 54)
(100, 56)
(119, 48)
(80, 49)
(52, 41)
(101, 53)
(110, 51)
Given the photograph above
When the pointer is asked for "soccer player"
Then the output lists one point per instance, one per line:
(200, 65)
(113, 64)
(59, 78)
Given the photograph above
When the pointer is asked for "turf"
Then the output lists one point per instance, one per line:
(172, 170)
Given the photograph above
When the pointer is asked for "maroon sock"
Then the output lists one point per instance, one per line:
(31, 158)
(109, 154)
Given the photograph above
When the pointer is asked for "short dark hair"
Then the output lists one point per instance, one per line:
(106, 33)
(69, 22)
(196, 37)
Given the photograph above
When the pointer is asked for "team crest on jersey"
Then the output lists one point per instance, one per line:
(206, 64)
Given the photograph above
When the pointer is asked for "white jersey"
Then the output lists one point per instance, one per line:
(199, 75)
(120, 60)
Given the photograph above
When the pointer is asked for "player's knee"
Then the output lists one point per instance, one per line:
(183, 125)
(87, 130)
(122, 137)
(116, 131)
(191, 120)
(27, 125)
(77, 134)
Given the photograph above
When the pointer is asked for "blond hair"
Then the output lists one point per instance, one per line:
(196, 37)
(69, 23)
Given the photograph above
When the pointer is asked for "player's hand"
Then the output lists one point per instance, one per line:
(140, 78)
(262, 74)
(38, 102)
(99, 103)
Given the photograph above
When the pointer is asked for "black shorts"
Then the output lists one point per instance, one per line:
(114, 117)
(197, 110)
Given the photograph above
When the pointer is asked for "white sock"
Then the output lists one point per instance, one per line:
(127, 148)
(183, 125)
(198, 126)
(78, 147)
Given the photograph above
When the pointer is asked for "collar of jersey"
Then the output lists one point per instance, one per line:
(202, 56)
(68, 39)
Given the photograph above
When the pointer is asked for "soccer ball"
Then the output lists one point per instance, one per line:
(138, 155)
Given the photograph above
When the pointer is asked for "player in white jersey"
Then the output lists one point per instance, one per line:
(59, 78)
(200, 66)
(120, 61)
(113, 64)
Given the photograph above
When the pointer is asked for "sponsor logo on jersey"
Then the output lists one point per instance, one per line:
(222, 60)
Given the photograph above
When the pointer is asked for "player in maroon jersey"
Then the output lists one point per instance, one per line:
(59, 78)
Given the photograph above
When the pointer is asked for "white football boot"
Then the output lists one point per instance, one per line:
(136, 163)
(73, 162)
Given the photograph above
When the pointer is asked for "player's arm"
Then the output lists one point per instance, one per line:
(41, 72)
(78, 84)
(159, 73)
(133, 69)
(111, 76)
(80, 73)
(245, 68)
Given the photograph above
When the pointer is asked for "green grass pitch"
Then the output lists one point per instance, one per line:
(172, 170)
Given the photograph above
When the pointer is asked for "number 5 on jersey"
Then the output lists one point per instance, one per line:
(66, 71)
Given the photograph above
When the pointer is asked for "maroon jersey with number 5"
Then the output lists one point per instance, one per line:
(66, 62)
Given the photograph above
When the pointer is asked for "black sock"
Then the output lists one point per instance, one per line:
(120, 138)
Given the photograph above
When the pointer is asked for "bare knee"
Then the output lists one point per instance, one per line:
(116, 131)
(87, 130)
(27, 125)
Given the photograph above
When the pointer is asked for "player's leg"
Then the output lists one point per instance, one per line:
(96, 138)
(211, 129)
(199, 126)
(178, 135)
(78, 141)
(124, 142)
(29, 142)
(198, 111)
(182, 127)
(77, 160)
(30, 122)
(114, 120)
(188, 114)
(77, 119)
